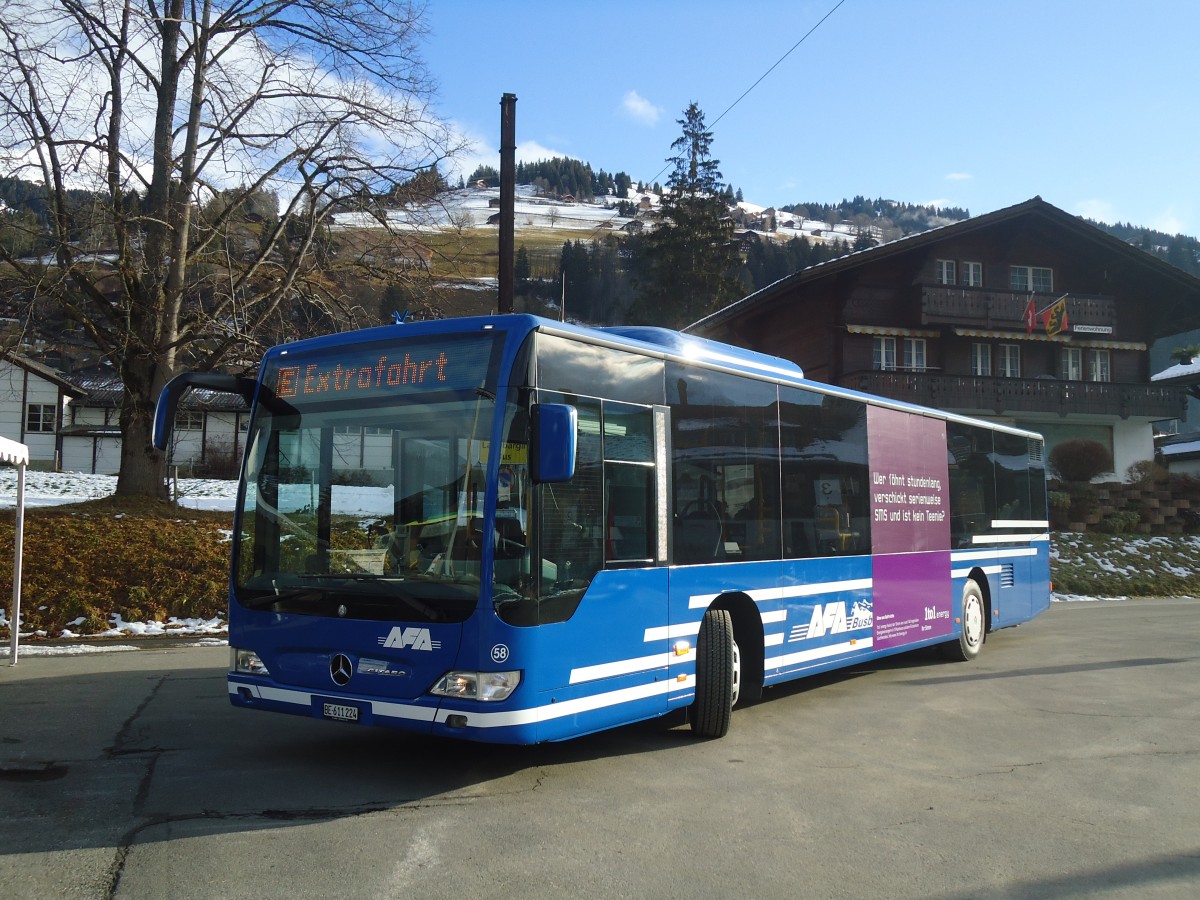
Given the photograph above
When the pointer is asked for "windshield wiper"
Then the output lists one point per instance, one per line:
(265, 600)
(433, 613)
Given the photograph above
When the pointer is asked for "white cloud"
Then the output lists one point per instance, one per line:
(532, 151)
(640, 109)
(1097, 210)
(1168, 222)
(478, 151)
(959, 176)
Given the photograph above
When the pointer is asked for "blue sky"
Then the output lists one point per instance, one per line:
(1092, 104)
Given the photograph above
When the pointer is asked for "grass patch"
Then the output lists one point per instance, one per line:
(1114, 565)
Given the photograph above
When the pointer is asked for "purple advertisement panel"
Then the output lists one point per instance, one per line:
(910, 507)
(912, 598)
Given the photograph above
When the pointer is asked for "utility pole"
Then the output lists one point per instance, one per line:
(508, 177)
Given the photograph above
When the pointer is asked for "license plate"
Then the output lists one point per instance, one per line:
(341, 713)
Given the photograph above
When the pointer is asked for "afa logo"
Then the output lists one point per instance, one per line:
(831, 618)
(415, 638)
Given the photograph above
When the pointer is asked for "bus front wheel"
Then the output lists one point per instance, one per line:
(974, 625)
(718, 675)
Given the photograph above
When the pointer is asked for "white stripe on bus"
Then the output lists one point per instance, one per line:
(629, 666)
(761, 595)
(1008, 538)
(803, 656)
(305, 698)
(528, 716)
(986, 570)
(568, 707)
(999, 553)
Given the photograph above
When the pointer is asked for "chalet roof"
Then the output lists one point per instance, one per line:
(105, 391)
(1033, 208)
(44, 372)
(1180, 373)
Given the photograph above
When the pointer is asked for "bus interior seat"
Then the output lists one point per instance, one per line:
(699, 534)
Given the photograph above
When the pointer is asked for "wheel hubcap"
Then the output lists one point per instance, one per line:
(973, 621)
(737, 675)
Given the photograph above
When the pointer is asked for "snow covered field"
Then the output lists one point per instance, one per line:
(54, 488)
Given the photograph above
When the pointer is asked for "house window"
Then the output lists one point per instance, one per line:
(1010, 360)
(189, 420)
(945, 271)
(1072, 364)
(981, 359)
(1031, 278)
(973, 274)
(39, 418)
(884, 357)
(1100, 366)
(914, 354)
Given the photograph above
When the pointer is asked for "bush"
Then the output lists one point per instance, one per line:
(1080, 460)
(1146, 473)
(1060, 508)
(85, 563)
(1120, 521)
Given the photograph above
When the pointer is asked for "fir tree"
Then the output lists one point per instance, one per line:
(687, 267)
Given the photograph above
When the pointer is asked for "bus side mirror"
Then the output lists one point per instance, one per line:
(168, 400)
(554, 429)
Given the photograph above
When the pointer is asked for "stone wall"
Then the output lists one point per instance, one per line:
(1162, 507)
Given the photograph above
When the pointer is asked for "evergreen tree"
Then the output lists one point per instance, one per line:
(521, 264)
(687, 267)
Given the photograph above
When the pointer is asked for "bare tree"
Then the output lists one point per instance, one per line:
(193, 156)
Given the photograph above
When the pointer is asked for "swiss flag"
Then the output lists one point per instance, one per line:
(1031, 316)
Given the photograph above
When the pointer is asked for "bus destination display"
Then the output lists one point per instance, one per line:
(356, 373)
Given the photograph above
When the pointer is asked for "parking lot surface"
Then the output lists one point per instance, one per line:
(1064, 762)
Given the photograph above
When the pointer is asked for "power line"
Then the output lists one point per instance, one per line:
(728, 109)
(777, 62)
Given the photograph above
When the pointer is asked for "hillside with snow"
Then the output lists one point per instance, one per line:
(479, 207)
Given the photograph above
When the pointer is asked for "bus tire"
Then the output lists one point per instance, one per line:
(974, 625)
(716, 675)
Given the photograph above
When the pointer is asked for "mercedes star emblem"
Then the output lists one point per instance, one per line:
(340, 670)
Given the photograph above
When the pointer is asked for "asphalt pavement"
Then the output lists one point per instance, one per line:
(1064, 762)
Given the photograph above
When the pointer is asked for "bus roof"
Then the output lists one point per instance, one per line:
(643, 339)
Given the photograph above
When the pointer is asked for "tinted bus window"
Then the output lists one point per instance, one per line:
(725, 447)
(826, 501)
(972, 482)
(573, 367)
(1013, 478)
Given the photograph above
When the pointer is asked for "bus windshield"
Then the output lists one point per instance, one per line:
(363, 506)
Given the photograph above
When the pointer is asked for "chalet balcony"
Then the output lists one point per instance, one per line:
(985, 308)
(974, 394)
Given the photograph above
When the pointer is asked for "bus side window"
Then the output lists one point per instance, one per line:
(725, 448)
(826, 503)
(572, 531)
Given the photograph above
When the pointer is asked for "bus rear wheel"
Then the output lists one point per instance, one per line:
(718, 675)
(974, 625)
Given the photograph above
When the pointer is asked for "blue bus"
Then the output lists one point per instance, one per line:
(516, 530)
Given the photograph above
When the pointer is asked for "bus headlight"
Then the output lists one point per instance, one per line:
(484, 686)
(247, 662)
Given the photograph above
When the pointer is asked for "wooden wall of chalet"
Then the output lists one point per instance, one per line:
(794, 330)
